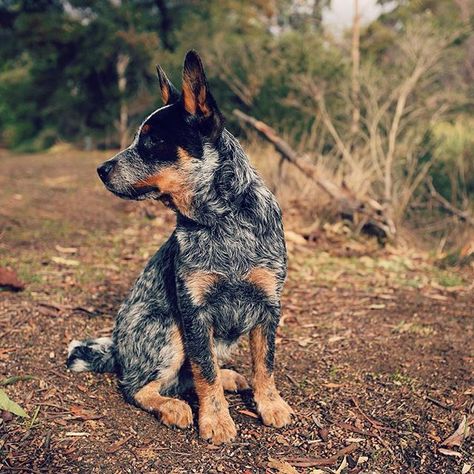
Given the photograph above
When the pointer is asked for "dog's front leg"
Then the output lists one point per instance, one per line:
(272, 408)
(215, 422)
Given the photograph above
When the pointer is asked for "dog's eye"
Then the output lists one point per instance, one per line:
(151, 141)
(156, 141)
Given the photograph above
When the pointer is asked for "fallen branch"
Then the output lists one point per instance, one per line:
(321, 462)
(463, 215)
(350, 205)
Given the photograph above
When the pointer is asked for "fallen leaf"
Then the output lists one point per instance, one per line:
(58, 181)
(466, 468)
(9, 405)
(280, 439)
(248, 413)
(377, 306)
(4, 351)
(65, 261)
(386, 297)
(69, 250)
(342, 466)
(304, 342)
(323, 433)
(314, 462)
(333, 385)
(457, 438)
(118, 444)
(83, 414)
(6, 415)
(15, 379)
(450, 452)
(282, 467)
(295, 238)
(438, 297)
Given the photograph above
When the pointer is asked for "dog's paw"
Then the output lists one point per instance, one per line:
(218, 428)
(275, 411)
(175, 412)
(232, 381)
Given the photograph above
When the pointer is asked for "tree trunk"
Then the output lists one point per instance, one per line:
(355, 70)
(123, 61)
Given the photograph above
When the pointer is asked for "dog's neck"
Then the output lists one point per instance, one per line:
(219, 181)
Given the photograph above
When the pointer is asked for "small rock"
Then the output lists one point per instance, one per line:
(10, 281)
(323, 433)
(6, 416)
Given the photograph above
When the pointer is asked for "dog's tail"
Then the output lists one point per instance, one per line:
(95, 355)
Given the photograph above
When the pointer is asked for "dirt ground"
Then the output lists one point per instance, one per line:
(375, 351)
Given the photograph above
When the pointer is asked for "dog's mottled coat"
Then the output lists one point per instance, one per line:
(218, 277)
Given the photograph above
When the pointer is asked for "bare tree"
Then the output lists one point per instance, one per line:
(355, 69)
(123, 61)
(378, 155)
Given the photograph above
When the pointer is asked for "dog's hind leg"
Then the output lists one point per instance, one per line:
(232, 381)
(172, 412)
(152, 396)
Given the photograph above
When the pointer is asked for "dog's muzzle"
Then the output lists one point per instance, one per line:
(110, 174)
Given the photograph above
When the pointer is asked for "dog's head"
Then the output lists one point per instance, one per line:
(169, 146)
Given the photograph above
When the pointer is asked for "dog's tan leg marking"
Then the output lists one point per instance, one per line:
(199, 283)
(264, 279)
(173, 412)
(232, 381)
(272, 408)
(215, 422)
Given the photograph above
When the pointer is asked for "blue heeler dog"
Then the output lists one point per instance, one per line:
(219, 276)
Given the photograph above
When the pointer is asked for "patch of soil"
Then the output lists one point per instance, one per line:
(380, 374)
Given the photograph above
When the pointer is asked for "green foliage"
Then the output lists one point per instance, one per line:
(59, 80)
(453, 157)
(10, 406)
(59, 73)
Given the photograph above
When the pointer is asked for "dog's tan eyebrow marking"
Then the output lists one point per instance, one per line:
(146, 128)
(183, 155)
(264, 279)
(199, 283)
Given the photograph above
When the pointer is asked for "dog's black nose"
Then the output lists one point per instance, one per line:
(104, 170)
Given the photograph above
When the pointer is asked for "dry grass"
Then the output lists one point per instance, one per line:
(302, 202)
(306, 206)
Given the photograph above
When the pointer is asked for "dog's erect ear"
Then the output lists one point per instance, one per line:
(169, 93)
(197, 99)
